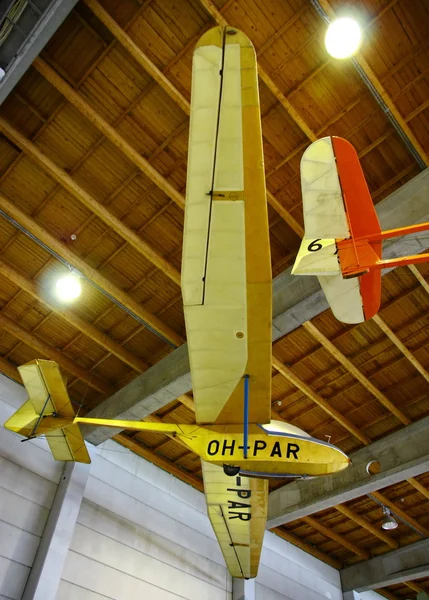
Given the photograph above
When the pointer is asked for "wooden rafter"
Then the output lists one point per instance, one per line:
(386, 594)
(363, 522)
(159, 76)
(353, 370)
(93, 275)
(333, 535)
(107, 130)
(419, 487)
(400, 512)
(48, 351)
(124, 39)
(415, 587)
(89, 201)
(401, 346)
(325, 4)
(317, 399)
(105, 341)
(297, 541)
(291, 110)
(414, 270)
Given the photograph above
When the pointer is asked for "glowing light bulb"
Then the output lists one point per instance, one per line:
(343, 38)
(68, 288)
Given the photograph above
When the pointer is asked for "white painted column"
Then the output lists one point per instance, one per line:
(243, 589)
(351, 596)
(45, 574)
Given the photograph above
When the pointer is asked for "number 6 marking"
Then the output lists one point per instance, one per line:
(315, 246)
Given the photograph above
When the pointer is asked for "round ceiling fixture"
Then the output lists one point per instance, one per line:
(68, 288)
(343, 38)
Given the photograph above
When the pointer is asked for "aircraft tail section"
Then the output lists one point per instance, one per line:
(49, 412)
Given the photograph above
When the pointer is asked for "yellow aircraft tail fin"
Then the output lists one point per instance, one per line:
(49, 412)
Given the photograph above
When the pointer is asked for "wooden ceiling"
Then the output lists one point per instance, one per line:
(93, 153)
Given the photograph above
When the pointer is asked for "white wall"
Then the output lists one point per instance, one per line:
(141, 533)
(28, 482)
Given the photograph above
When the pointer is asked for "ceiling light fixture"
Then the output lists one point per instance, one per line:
(343, 38)
(389, 522)
(68, 288)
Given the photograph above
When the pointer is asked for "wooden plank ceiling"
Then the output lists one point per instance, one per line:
(93, 163)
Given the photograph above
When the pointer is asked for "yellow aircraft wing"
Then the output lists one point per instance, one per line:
(226, 269)
(47, 396)
(237, 508)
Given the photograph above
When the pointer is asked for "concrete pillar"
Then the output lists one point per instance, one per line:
(45, 574)
(243, 589)
(351, 596)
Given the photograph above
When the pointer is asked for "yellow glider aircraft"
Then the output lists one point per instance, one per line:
(226, 286)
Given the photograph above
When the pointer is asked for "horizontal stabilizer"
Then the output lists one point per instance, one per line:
(317, 257)
(49, 412)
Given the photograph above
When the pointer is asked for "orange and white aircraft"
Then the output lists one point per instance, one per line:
(342, 242)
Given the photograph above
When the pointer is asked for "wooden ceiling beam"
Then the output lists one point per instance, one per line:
(333, 535)
(353, 370)
(46, 350)
(123, 38)
(317, 399)
(419, 487)
(342, 335)
(414, 270)
(363, 522)
(92, 274)
(88, 329)
(69, 184)
(291, 111)
(138, 55)
(401, 347)
(297, 541)
(400, 512)
(415, 587)
(386, 594)
(107, 130)
(362, 62)
(159, 461)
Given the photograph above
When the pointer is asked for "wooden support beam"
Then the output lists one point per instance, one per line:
(325, 4)
(138, 55)
(292, 112)
(285, 214)
(317, 399)
(386, 594)
(10, 370)
(360, 520)
(347, 364)
(414, 270)
(419, 487)
(88, 329)
(400, 512)
(46, 350)
(415, 587)
(398, 343)
(92, 274)
(297, 541)
(110, 133)
(340, 539)
(89, 201)
(107, 130)
(159, 461)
